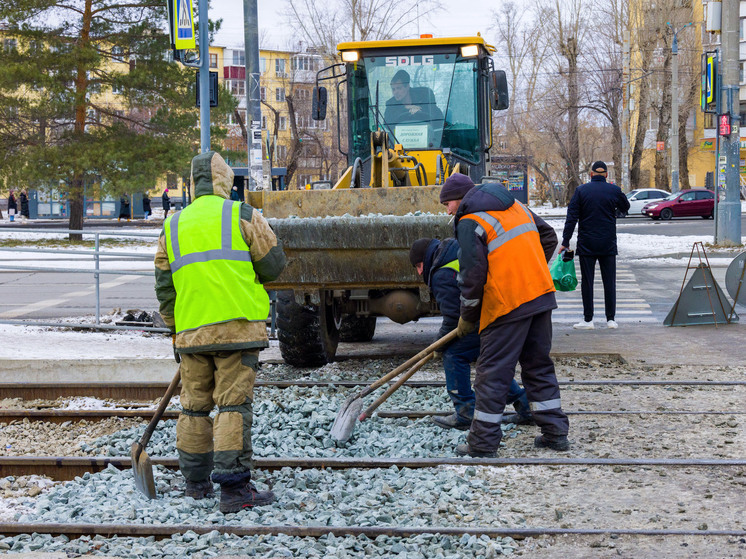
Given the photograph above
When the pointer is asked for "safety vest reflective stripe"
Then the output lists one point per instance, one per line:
(488, 417)
(226, 238)
(545, 405)
(503, 236)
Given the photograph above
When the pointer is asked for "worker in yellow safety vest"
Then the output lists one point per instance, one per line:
(212, 259)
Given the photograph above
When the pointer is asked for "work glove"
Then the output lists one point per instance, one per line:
(465, 327)
(177, 357)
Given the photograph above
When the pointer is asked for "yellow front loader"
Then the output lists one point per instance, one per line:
(417, 111)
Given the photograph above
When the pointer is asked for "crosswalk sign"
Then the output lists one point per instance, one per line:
(183, 24)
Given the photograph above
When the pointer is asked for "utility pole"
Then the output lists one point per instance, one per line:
(204, 79)
(729, 210)
(626, 100)
(675, 108)
(253, 101)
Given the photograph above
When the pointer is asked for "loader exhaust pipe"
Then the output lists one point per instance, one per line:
(401, 306)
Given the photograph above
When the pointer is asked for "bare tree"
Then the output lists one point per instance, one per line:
(324, 24)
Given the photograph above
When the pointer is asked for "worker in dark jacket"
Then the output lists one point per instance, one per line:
(595, 205)
(212, 259)
(437, 263)
(507, 291)
(24, 205)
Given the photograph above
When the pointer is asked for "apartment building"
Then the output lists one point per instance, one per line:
(290, 138)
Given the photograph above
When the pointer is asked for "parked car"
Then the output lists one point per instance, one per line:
(640, 197)
(687, 203)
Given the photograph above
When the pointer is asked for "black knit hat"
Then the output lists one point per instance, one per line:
(418, 251)
(455, 188)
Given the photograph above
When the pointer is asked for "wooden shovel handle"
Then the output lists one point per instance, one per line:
(394, 387)
(161, 408)
(435, 346)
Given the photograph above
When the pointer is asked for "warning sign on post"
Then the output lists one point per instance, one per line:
(183, 22)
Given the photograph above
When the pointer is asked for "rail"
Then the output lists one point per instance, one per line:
(98, 256)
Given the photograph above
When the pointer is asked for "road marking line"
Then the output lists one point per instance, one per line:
(47, 303)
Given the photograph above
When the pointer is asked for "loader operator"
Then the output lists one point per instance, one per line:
(212, 259)
(437, 263)
(506, 289)
(409, 105)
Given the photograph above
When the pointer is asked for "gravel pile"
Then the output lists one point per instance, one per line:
(189, 544)
(21, 438)
(390, 497)
(296, 421)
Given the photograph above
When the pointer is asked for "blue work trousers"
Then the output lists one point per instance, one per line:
(457, 360)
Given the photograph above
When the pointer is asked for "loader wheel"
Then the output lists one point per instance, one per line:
(357, 329)
(308, 334)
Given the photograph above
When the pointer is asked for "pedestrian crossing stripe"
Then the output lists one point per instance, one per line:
(184, 37)
(630, 306)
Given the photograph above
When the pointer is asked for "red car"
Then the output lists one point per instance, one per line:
(687, 203)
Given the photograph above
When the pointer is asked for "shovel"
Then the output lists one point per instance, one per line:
(142, 467)
(348, 414)
(394, 387)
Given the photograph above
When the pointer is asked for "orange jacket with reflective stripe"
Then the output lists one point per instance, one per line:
(517, 268)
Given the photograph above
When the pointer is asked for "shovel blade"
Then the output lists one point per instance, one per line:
(142, 468)
(344, 423)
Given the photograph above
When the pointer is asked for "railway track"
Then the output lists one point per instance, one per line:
(154, 390)
(68, 468)
(65, 468)
(166, 531)
(90, 415)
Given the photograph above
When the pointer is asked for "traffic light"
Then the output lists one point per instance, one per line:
(724, 125)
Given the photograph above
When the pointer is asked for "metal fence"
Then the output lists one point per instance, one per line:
(97, 272)
(96, 254)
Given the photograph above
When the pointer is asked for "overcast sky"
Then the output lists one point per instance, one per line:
(463, 18)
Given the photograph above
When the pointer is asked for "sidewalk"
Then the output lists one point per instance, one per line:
(35, 355)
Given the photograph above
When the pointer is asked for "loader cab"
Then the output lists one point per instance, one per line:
(433, 97)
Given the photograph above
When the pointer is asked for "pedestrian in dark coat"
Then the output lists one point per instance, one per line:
(124, 207)
(507, 292)
(594, 206)
(24, 205)
(12, 205)
(146, 209)
(437, 262)
(166, 202)
(234, 194)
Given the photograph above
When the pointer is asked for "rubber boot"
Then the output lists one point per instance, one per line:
(236, 497)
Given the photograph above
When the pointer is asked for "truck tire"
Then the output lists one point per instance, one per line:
(308, 334)
(357, 328)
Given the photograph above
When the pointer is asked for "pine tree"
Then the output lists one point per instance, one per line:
(89, 94)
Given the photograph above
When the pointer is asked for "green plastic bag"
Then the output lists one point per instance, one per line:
(563, 274)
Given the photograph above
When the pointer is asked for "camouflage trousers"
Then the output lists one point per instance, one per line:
(223, 445)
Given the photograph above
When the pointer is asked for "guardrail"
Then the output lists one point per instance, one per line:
(97, 256)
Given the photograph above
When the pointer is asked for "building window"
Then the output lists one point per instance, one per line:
(262, 65)
(283, 124)
(238, 88)
(9, 45)
(239, 59)
(280, 68)
(213, 60)
(263, 93)
(264, 122)
(280, 94)
(281, 151)
(116, 88)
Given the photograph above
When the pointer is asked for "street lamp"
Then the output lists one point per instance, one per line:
(675, 107)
